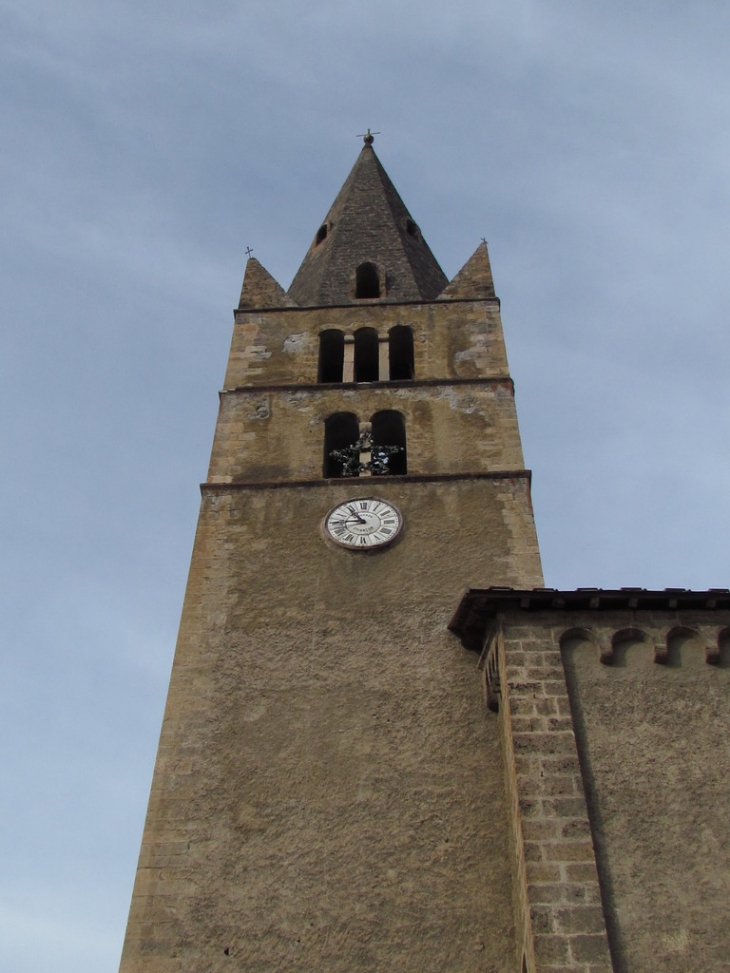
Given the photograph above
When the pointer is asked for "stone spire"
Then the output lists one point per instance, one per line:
(368, 247)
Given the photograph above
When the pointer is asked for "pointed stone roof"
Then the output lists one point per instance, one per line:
(367, 223)
(259, 287)
(474, 280)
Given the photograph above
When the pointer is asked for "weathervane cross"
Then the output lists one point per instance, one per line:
(369, 137)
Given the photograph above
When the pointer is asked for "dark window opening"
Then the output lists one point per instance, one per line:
(321, 234)
(389, 429)
(366, 355)
(340, 431)
(411, 228)
(331, 355)
(367, 281)
(400, 353)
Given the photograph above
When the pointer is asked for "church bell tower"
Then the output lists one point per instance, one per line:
(328, 794)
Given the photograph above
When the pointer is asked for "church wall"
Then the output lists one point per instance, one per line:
(615, 725)
(654, 740)
(328, 792)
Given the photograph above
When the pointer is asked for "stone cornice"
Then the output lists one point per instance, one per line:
(369, 482)
(365, 386)
(479, 606)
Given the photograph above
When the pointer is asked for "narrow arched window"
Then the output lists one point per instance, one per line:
(366, 355)
(341, 430)
(331, 355)
(367, 281)
(321, 234)
(400, 353)
(389, 441)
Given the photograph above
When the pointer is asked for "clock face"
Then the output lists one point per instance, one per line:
(363, 524)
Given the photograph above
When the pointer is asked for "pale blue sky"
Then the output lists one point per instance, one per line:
(143, 148)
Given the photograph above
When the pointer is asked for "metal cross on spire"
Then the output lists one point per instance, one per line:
(369, 137)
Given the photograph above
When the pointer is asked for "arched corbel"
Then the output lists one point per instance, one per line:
(676, 632)
(586, 635)
(629, 635)
(713, 655)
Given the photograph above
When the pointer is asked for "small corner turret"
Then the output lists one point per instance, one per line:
(474, 280)
(259, 288)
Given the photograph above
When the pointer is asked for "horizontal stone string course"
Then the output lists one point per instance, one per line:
(561, 879)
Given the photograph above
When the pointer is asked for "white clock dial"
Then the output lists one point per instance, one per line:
(364, 523)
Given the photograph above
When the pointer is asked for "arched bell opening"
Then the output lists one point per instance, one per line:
(331, 355)
(389, 442)
(400, 353)
(366, 355)
(340, 431)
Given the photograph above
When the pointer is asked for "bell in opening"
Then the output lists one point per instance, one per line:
(367, 281)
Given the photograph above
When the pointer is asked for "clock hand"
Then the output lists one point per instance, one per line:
(357, 516)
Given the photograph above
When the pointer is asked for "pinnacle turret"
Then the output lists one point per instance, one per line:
(474, 280)
(259, 288)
